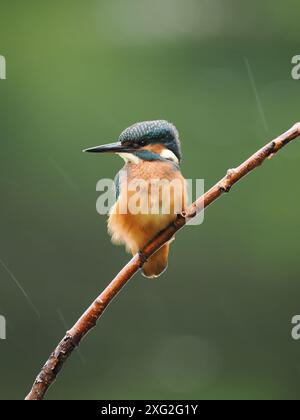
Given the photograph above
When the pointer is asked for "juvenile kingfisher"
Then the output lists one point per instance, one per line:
(152, 154)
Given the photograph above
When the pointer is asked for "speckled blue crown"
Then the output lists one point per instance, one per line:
(151, 132)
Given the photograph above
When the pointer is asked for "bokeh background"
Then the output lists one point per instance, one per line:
(218, 323)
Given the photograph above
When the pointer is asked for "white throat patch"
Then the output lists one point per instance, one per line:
(129, 158)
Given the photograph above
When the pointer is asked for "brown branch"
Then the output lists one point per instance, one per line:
(88, 320)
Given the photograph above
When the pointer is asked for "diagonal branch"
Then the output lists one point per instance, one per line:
(89, 319)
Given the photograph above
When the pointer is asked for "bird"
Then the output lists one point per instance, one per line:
(152, 154)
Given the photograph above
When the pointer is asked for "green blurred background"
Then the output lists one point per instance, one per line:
(218, 323)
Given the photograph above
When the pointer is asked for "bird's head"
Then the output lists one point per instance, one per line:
(146, 140)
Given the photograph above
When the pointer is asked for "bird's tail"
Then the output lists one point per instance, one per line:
(157, 263)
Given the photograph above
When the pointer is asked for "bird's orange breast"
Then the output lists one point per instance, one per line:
(151, 195)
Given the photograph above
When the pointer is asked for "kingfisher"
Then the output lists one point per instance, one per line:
(152, 154)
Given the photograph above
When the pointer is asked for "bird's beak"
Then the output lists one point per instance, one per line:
(117, 147)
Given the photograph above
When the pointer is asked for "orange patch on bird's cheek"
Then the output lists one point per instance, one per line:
(155, 148)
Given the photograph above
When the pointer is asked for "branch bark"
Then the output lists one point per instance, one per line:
(89, 319)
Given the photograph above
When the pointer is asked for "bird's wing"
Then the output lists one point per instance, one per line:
(117, 185)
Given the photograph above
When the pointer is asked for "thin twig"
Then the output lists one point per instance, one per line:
(88, 320)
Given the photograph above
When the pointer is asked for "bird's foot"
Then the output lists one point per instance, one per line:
(143, 258)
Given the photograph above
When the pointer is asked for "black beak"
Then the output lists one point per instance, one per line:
(111, 148)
